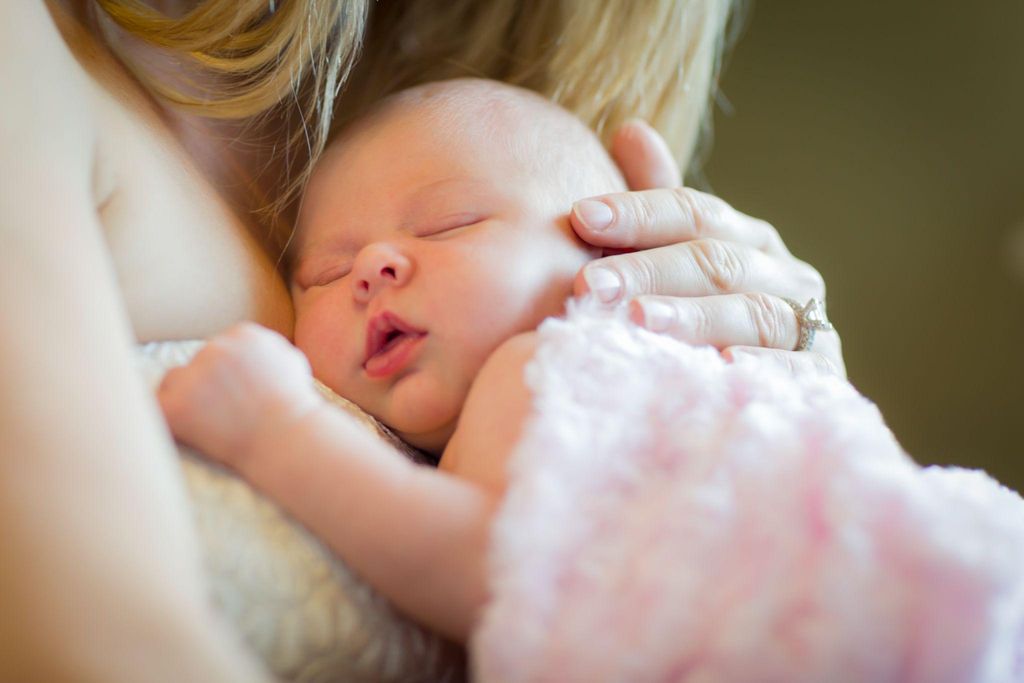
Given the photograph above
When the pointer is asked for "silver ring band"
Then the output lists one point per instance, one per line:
(810, 319)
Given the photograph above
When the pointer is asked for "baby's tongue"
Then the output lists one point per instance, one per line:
(383, 357)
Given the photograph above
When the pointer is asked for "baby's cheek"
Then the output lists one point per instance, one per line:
(328, 361)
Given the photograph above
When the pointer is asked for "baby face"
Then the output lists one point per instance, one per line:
(419, 253)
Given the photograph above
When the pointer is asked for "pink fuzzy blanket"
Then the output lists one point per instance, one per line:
(705, 521)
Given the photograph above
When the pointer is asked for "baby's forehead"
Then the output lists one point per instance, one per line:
(507, 122)
(486, 120)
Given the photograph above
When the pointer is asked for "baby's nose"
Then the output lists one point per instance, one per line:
(377, 266)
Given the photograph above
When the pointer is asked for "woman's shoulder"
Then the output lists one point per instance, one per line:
(75, 124)
(45, 89)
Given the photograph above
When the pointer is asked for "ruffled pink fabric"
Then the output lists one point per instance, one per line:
(673, 517)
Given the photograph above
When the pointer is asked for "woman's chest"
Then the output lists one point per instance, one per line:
(185, 257)
(175, 204)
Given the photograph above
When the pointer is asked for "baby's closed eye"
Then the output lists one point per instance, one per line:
(321, 276)
(331, 275)
(446, 225)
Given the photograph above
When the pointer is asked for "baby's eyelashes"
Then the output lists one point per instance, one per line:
(317, 273)
(447, 224)
(331, 275)
(321, 275)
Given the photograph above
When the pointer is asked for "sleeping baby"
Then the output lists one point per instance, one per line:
(431, 242)
(609, 504)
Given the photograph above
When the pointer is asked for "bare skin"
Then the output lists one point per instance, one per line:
(418, 301)
(114, 234)
(121, 223)
(419, 535)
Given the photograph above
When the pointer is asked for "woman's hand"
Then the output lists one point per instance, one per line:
(244, 387)
(694, 267)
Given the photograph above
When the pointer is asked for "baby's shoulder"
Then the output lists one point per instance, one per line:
(493, 416)
(514, 351)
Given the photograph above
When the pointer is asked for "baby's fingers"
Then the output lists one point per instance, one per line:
(173, 396)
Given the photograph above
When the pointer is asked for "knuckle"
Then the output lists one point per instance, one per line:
(810, 363)
(701, 323)
(770, 318)
(721, 264)
(809, 279)
(825, 365)
(700, 209)
(174, 406)
(639, 209)
(219, 346)
(169, 379)
(828, 364)
(234, 333)
(639, 274)
(216, 355)
(773, 239)
(689, 210)
(788, 361)
(646, 276)
(245, 334)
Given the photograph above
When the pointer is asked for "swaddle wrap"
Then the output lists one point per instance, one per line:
(674, 517)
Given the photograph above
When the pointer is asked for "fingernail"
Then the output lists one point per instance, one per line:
(739, 357)
(594, 214)
(658, 316)
(604, 283)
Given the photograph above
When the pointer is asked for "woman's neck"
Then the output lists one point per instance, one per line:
(236, 156)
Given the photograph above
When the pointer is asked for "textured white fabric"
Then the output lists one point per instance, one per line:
(672, 517)
(292, 601)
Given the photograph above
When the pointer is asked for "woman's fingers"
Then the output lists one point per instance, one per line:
(732, 320)
(654, 218)
(643, 157)
(745, 323)
(698, 268)
(803, 363)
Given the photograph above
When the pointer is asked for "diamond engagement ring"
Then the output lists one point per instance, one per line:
(810, 319)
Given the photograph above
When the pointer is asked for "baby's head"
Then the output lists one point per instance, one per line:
(432, 231)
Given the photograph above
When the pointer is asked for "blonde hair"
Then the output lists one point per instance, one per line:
(604, 61)
(255, 58)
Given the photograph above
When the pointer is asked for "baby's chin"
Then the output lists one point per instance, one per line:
(424, 409)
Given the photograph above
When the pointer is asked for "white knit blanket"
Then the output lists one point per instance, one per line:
(297, 606)
(673, 517)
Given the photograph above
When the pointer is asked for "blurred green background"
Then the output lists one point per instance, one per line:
(885, 141)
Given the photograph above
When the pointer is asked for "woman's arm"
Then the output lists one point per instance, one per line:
(100, 577)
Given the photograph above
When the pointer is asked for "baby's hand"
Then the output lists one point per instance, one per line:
(242, 388)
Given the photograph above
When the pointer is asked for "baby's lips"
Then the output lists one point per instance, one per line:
(380, 327)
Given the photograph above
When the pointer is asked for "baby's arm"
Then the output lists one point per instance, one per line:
(418, 535)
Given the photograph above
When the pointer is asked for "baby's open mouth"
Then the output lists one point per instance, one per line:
(390, 342)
